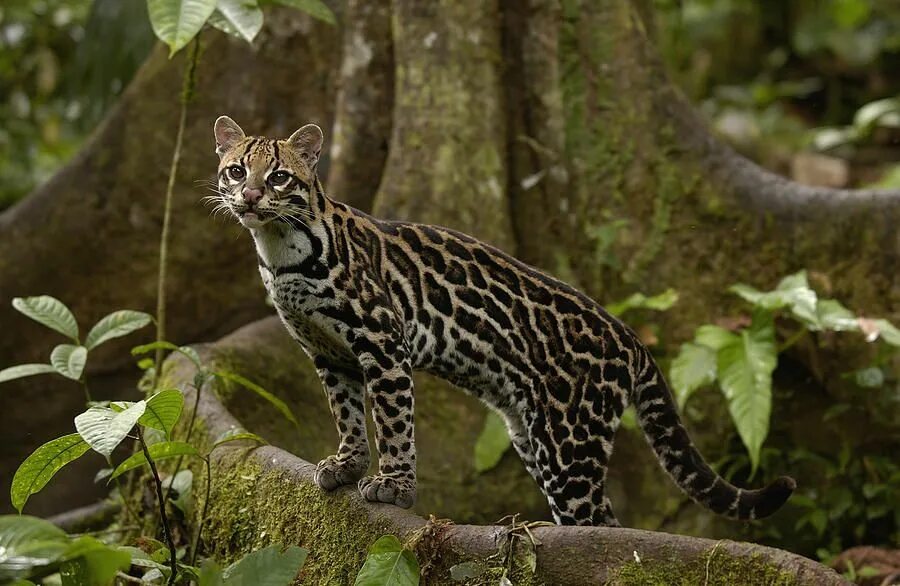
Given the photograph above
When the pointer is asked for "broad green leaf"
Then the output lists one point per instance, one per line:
(38, 468)
(92, 563)
(388, 564)
(831, 315)
(104, 429)
(177, 22)
(792, 291)
(885, 112)
(50, 312)
(23, 370)
(241, 18)
(163, 410)
(713, 336)
(660, 302)
(210, 573)
(160, 451)
(745, 369)
(492, 442)
(314, 8)
(237, 434)
(28, 542)
(270, 566)
(115, 325)
(693, 368)
(69, 360)
(252, 386)
(187, 351)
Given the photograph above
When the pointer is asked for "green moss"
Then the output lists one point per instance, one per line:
(716, 568)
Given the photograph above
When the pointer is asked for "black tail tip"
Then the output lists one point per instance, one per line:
(772, 497)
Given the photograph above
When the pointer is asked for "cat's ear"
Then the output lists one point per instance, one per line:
(308, 143)
(228, 134)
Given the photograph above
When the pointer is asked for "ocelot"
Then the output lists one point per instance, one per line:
(372, 300)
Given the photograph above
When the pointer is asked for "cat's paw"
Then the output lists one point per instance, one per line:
(333, 472)
(395, 490)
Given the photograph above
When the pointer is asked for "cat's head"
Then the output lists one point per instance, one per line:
(266, 179)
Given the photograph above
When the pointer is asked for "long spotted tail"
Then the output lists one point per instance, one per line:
(661, 423)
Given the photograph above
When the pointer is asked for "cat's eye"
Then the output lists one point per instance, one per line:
(278, 178)
(236, 172)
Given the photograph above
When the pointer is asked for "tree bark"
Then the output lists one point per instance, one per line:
(89, 236)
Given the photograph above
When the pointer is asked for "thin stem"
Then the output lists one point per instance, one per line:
(196, 545)
(796, 337)
(187, 92)
(173, 561)
(87, 391)
(190, 430)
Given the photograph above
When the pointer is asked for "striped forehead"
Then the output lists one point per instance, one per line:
(258, 152)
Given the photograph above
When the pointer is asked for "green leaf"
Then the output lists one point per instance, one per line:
(69, 360)
(252, 386)
(314, 8)
(38, 468)
(50, 312)
(492, 442)
(237, 434)
(792, 291)
(745, 368)
(240, 18)
(713, 336)
(275, 565)
(210, 573)
(23, 370)
(187, 351)
(163, 410)
(115, 325)
(693, 368)
(177, 22)
(831, 315)
(26, 543)
(92, 563)
(183, 484)
(660, 302)
(160, 451)
(388, 564)
(888, 332)
(870, 378)
(104, 429)
(466, 571)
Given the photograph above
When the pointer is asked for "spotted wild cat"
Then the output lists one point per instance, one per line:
(371, 300)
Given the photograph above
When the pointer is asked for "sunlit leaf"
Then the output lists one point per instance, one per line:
(792, 292)
(660, 302)
(115, 325)
(693, 368)
(238, 434)
(26, 543)
(275, 565)
(388, 564)
(745, 368)
(104, 429)
(241, 18)
(713, 336)
(163, 410)
(885, 112)
(252, 386)
(37, 470)
(160, 451)
(69, 360)
(831, 315)
(492, 443)
(50, 312)
(177, 22)
(187, 351)
(23, 370)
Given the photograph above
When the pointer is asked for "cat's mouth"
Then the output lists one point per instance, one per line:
(253, 218)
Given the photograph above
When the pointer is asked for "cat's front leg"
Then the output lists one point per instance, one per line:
(388, 375)
(344, 388)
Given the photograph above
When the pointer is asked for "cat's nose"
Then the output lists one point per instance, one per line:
(252, 195)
